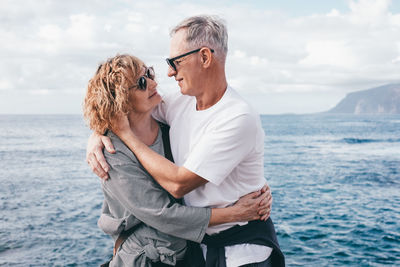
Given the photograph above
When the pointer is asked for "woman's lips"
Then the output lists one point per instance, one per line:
(153, 94)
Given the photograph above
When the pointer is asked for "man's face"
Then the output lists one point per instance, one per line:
(187, 68)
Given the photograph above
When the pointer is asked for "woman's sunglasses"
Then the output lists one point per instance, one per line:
(142, 82)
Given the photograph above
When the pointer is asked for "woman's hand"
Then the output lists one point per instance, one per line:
(254, 206)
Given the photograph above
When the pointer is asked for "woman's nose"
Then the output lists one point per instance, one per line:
(151, 83)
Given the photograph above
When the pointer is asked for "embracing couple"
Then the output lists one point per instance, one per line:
(204, 144)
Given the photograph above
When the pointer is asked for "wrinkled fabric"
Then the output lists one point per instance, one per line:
(131, 196)
(114, 226)
(137, 251)
(255, 232)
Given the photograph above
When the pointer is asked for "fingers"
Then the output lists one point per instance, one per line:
(96, 167)
(262, 196)
(252, 195)
(265, 188)
(265, 203)
(265, 217)
(99, 159)
(265, 210)
(108, 144)
(265, 206)
(266, 195)
(94, 154)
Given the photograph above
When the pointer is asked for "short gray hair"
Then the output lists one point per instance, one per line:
(207, 31)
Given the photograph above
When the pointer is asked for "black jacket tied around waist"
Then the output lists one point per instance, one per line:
(255, 232)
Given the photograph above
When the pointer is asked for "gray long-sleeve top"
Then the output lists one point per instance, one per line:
(132, 196)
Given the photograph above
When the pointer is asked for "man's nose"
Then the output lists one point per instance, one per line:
(171, 72)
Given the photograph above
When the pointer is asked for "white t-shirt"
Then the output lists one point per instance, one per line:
(223, 144)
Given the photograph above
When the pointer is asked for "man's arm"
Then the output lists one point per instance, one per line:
(130, 186)
(222, 150)
(95, 156)
(178, 181)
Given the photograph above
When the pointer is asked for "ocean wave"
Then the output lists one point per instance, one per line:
(335, 203)
(352, 140)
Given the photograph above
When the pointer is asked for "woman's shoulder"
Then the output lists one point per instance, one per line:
(122, 152)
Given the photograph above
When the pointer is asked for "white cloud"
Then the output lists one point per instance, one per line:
(239, 54)
(334, 53)
(133, 28)
(51, 36)
(81, 30)
(107, 27)
(333, 13)
(40, 92)
(50, 32)
(57, 45)
(396, 60)
(369, 11)
(6, 85)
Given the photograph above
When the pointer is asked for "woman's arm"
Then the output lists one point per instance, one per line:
(138, 194)
(253, 206)
(147, 201)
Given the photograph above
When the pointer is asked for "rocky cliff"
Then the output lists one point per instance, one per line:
(380, 100)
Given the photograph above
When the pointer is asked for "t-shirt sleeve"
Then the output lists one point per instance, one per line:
(221, 149)
(138, 193)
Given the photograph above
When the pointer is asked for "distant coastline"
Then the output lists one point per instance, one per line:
(378, 100)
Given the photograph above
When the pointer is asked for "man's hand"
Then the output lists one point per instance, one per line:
(266, 203)
(94, 154)
(254, 206)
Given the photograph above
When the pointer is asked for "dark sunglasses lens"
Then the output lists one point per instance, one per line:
(142, 83)
(150, 73)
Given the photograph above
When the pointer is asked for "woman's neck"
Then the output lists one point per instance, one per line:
(144, 126)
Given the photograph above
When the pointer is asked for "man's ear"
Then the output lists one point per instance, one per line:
(206, 57)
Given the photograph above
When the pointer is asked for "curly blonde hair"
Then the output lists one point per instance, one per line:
(107, 93)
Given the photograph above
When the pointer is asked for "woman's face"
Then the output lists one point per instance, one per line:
(143, 95)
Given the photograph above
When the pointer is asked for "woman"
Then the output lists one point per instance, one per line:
(132, 199)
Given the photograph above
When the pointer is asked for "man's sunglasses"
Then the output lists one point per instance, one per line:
(142, 82)
(171, 63)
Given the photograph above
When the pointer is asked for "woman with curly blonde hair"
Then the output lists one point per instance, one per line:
(148, 225)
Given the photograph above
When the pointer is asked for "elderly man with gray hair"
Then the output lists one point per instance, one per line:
(217, 142)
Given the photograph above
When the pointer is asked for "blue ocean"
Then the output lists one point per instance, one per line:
(335, 181)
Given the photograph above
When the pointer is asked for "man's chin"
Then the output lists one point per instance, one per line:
(186, 91)
(183, 91)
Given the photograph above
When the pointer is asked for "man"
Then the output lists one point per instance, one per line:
(217, 142)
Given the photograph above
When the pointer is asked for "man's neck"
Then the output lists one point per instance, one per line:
(213, 89)
(210, 97)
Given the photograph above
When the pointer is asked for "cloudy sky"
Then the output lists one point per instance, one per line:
(286, 56)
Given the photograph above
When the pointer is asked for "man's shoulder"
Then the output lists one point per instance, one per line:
(235, 105)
